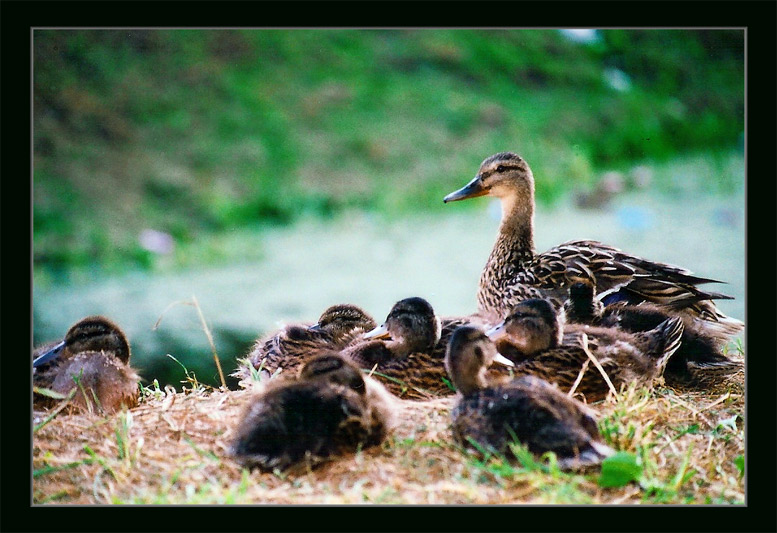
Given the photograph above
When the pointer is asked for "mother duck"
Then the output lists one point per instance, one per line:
(514, 271)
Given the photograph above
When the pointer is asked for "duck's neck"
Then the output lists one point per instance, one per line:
(514, 248)
(516, 230)
(469, 381)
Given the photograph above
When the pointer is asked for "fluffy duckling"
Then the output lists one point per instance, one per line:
(291, 346)
(514, 272)
(698, 363)
(625, 357)
(96, 353)
(330, 409)
(527, 408)
(404, 352)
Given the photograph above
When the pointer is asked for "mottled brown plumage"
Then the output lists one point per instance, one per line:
(625, 357)
(514, 272)
(699, 362)
(405, 353)
(95, 353)
(289, 347)
(329, 409)
(526, 409)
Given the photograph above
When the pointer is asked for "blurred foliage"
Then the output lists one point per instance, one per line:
(204, 131)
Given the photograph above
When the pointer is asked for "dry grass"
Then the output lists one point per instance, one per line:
(686, 448)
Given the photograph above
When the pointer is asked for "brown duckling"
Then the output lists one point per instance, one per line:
(527, 408)
(404, 352)
(624, 357)
(698, 363)
(330, 409)
(96, 353)
(291, 346)
(514, 271)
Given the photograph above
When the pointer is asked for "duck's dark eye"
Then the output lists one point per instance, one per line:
(500, 168)
(479, 353)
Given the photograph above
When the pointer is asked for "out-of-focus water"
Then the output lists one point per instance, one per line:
(372, 262)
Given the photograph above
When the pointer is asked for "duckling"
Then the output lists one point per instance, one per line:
(698, 363)
(404, 352)
(527, 408)
(330, 409)
(624, 357)
(96, 353)
(514, 272)
(289, 347)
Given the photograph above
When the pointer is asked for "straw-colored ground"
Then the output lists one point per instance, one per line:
(679, 447)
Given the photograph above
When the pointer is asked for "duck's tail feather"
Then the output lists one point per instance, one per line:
(664, 340)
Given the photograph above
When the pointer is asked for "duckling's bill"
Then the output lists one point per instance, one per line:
(473, 189)
(48, 355)
(497, 332)
(381, 332)
(502, 360)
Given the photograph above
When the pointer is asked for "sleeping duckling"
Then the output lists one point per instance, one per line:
(291, 346)
(624, 357)
(404, 352)
(698, 363)
(95, 353)
(515, 272)
(527, 408)
(329, 409)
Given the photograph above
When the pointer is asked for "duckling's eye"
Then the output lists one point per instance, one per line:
(500, 168)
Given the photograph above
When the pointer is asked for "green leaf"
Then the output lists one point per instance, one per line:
(619, 470)
(739, 460)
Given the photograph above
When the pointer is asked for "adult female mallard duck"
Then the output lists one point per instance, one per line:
(330, 409)
(94, 359)
(404, 352)
(292, 345)
(698, 363)
(515, 272)
(624, 357)
(529, 409)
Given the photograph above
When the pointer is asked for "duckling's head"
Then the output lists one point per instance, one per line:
(581, 304)
(505, 175)
(333, 368)
(339, 320)
(91, 334)
(467, 357)
(411, 325)
(531, 326)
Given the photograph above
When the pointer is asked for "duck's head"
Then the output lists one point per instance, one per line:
(91, 334)
(468, 354)
(505, 175)
(411, 325)
(531, 326)
(582, 304)
(333, 368)
(339, 320)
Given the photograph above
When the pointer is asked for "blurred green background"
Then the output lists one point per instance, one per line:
(271, 173)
